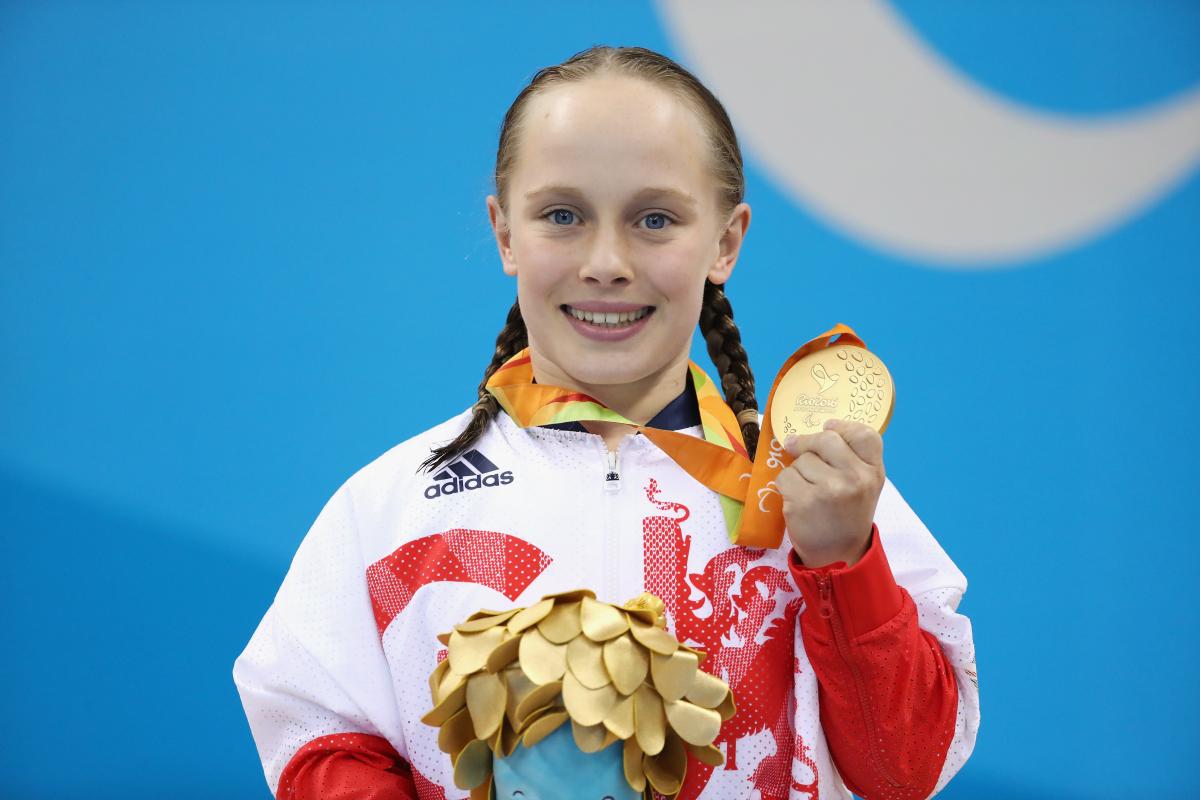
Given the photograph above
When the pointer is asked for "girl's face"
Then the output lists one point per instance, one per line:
(613, 224)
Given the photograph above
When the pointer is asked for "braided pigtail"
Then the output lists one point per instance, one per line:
(512, 340)
(725, 349)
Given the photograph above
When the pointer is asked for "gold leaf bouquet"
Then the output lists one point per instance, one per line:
(614, 672)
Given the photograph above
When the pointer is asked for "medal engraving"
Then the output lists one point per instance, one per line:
(843, 381)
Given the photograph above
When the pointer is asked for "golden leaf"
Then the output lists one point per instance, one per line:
(653, 637)
(561, 625)
(649, 721)
(469, 651)
(451, 680)
(540, 698)
(665, 771)
(707, 690)
(485, 701)
(456, 734)
(542, 660)
(673, 675)
(542, 727)
(494, 740)
(619, 719)
(447, 707)
(518, 687)
(695, 725)
(627, 663)
(632, 761)
(508, 739)
(528, 617)
(601, 621)
(709, 754)
(473, 765)
(489, 612)
(572, 596)
(504, 654)
(435, 679)
(483, 620)
(589, 738)
(643, 615)
(585, 659)
(727, 708)
(587, 706)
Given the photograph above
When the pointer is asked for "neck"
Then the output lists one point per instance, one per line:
(637, 401)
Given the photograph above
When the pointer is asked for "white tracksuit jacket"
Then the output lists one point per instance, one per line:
(397, 557)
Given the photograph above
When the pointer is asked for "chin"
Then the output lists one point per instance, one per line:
(617, 373)
(606, 365)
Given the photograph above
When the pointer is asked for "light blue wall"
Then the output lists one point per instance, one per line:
(243, 251)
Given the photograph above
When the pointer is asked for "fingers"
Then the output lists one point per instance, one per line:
(813, 468)
(863, 440)
(793, 486)
(829, 445)
(831, 489)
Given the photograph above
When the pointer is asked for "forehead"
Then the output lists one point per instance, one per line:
(612, 134)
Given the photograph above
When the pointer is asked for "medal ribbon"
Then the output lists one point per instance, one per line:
(749, 498)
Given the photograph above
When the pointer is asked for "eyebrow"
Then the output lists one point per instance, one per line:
(682, 198)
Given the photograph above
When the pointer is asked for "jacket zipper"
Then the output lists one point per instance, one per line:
(829, 611)
(610, 540)
(612, 476)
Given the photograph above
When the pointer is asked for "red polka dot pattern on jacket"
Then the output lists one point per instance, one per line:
(499, 561)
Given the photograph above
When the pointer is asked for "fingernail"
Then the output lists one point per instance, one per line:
(829, 423)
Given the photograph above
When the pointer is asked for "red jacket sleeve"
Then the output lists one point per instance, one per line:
(346, 766)
(888, 695)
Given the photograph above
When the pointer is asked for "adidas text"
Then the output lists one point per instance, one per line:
(472, 470)
(467, 484)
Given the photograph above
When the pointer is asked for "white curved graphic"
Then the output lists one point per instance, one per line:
(866, 126)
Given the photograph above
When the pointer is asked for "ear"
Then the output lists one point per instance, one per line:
(502, 233)
(730, 243)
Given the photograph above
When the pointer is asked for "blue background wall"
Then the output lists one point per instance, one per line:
(243, 251)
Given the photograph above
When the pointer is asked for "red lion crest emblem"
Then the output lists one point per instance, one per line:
(743, 615)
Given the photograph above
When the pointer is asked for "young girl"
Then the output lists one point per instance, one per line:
(619, 209)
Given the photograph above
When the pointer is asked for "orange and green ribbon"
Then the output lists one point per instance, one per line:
(750, 501)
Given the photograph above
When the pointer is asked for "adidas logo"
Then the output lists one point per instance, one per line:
(472, 470)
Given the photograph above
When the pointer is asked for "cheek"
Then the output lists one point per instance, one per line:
(680, 277)
(539, 291)
(542, 263)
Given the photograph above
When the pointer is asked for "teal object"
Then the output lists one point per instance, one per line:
(555, 768)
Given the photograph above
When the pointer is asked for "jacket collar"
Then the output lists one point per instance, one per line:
(681, 413)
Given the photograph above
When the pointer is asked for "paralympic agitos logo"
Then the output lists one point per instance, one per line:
(472, 470)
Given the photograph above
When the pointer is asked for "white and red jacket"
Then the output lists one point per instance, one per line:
(846, 679)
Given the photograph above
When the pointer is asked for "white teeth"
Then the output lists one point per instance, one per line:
(609, 319)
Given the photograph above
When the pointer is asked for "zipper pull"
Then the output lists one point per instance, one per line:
(612, 478)
(825, 587)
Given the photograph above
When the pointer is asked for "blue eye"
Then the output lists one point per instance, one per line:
(562, 216)
(656, 222)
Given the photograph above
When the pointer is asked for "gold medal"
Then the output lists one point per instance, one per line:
(843, 381)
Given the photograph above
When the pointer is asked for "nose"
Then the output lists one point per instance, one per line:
(607, 260)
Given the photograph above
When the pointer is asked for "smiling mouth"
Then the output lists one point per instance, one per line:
(609, 319)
